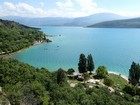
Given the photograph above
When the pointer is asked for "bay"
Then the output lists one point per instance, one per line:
(113, 48)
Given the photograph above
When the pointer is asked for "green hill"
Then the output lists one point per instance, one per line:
(14, 36)
(23, 84)
(127, 23)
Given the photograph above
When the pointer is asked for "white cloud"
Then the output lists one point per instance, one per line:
(21, 9)
(68, 5)
(87, 5)
(9, 6)
(76, 8)
(69, 8)
(90, 7)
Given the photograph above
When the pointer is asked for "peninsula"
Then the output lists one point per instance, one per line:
(14, 36)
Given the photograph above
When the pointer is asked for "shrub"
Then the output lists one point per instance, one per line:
(108, 82)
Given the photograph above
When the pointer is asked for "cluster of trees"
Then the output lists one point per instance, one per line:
(87, 64)
(84, 64)
(133, 88)
(24, 84)
(14, 36)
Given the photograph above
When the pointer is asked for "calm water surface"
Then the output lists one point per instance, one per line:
(113, 48)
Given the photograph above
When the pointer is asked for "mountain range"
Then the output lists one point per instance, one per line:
(125, 23)
(60, 21)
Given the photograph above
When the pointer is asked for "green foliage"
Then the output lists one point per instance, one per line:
(61, 76)
(108, 82)
(119, 82)
(101, 72)
(70, 71)
(3, 100)
(134, 74)
(14, 36)
(86, 76)
(24, 84)
(82, 64)
(90, 63)
(132, 90)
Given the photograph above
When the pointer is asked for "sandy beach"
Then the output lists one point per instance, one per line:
(10, 54)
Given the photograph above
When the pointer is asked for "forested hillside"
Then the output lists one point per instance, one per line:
(14, 36)
(24, 84)
(126, 23)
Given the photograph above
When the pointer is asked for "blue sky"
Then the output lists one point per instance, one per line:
(68, 8)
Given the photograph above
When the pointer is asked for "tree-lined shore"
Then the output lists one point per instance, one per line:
(14, 37)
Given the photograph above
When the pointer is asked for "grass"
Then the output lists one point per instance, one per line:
(119, 82)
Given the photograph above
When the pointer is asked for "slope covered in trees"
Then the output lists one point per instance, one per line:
(126, 23)
(24, 84)
(14, 36)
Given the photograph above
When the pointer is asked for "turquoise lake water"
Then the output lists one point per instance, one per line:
(113, 48)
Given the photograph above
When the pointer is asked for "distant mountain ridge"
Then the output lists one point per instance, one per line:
(96, 18)
(125, 23)
(60, 21)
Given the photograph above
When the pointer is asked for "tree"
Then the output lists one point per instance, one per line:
(82, 64)
(132, 90)
(70, 71)
(61, 76)
(101, 72)
(108, 82)
(134, 74)
(90, 63)
(14, 94)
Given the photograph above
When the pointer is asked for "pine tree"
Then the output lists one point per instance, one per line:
(134, 74)
(61, 76)
(82, 64)
(90, 63)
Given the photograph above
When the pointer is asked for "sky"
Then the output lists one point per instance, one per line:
(68, 8)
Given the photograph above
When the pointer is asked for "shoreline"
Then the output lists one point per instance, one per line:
(123, 76)
(16, 52)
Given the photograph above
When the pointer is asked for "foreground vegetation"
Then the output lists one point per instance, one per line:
(14, 36)
(24, 84)
(119, 83)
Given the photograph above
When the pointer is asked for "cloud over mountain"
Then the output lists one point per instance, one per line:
(68, 8)
(55, 8)
(20, 9)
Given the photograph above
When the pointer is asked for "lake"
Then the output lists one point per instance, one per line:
(113, 48)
